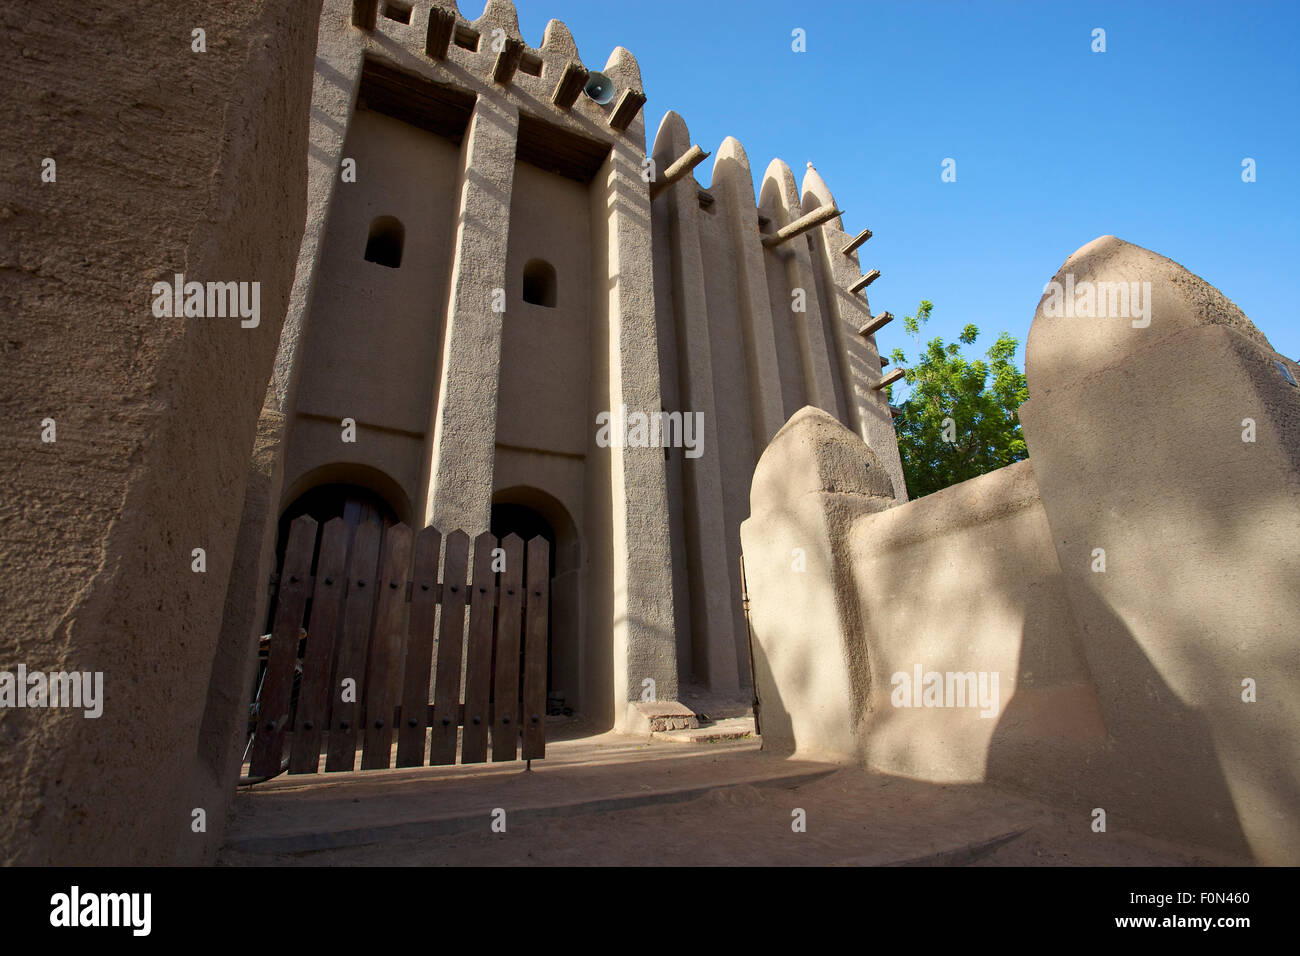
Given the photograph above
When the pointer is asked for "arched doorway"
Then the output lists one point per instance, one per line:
(356, 505)
(529, 513)
(353, 503)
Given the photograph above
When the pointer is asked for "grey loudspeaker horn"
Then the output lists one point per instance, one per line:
(600, 88)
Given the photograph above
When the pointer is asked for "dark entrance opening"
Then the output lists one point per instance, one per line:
(356, 506)
(528, 524)
(352, 503)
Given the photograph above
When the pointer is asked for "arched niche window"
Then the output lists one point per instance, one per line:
(384, 246)
(539, 283)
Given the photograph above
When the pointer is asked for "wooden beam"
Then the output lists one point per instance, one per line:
(507, 61)
(876, 324)
(864, 281)
(440, 109)
(680, 169)
(889, 379)
(884, 362)
(895, 411)
(629, 104)
(558, 150)
(442, 24)
(572, 82)
(856, 241)
(800, 226)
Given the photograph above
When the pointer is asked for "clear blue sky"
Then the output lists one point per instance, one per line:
(1055, 144)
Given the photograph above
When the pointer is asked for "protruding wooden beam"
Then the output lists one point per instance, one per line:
(364, 13)
(680, 169)
(572, 82)
(801, 225)
(889, 379)
(876, 324)
(864, 281)
(856, 241)
(884, 362)
(507, 61)
(442, 24)
(625, 110)
(895, 411)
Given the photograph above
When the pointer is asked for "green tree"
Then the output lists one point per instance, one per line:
(956, 423)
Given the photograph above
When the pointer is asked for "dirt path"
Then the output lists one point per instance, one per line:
(621, 801)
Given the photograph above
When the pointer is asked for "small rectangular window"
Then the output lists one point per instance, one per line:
(539, 283)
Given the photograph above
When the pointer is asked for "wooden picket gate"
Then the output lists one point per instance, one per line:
(359, 631)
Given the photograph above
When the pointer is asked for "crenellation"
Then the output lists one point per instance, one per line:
(559, 43)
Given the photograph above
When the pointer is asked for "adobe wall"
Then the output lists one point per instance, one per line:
(543, 419)
(1136, 434)
(1120, 689)
(456, 402)
(202, 174)
(963, 580)
(733, 348)
(372, 348)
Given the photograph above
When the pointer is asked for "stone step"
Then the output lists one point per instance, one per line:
(664, 715)
(730, 728)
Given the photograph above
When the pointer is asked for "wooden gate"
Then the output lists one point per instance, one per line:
(369, 655)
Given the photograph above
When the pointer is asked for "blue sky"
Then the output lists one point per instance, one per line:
(1055, 144)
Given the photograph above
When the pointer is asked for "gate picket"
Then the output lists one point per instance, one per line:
(326, 610)
(352, 650)
(386, 649)
(505, 692)
(451, 632)
(361, 632)
(411, 742)
(538, 615)
(277, 691)
(478, 664)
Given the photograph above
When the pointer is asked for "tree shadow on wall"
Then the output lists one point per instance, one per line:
(1156, 770)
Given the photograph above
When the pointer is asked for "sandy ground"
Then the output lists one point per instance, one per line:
(613, 800)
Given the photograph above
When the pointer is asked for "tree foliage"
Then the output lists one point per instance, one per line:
(956, 422)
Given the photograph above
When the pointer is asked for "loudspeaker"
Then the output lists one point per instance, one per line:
(600, 88)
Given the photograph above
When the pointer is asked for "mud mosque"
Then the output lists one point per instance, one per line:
(471, 252)
(485, 166)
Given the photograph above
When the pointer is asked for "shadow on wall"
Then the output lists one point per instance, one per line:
(1174, 797)
(1122, 684)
